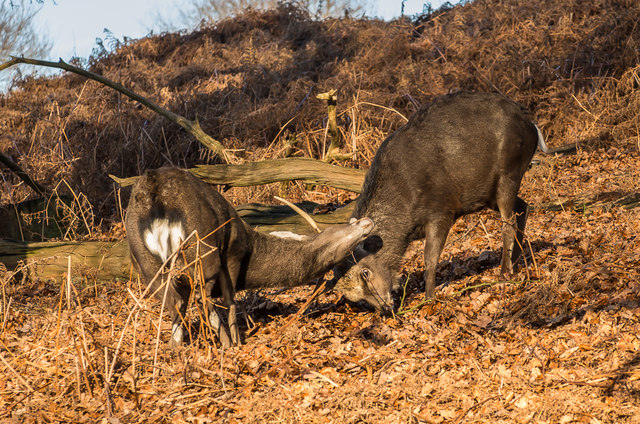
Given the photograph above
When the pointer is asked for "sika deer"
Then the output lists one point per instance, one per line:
(168, 204)
(458, 155)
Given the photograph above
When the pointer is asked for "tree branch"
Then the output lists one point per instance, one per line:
(41, 190)
(192, 127)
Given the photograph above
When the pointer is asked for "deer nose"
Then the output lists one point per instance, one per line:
(387, 307)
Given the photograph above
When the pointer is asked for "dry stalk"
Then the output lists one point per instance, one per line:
(198, 277)
(486, 233)
(268, 149)
(390, 109)
(57, 336)
(300, 212)
(134, 309)
(318, 290)
(80, 208)
(10, 368)
(172, 260)
(166, 284)
(85, 349)
(107, 389)
(68, 286)
(6, 307)
(78, 390)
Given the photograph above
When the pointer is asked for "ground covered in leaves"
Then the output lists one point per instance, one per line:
(557, 343)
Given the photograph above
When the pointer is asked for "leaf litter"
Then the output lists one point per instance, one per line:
(557, 342)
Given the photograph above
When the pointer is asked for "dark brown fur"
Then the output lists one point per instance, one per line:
(234, 257)
(458, 155)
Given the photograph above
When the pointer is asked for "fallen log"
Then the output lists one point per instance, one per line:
(270, 171)
(91, 260)
(109, 261)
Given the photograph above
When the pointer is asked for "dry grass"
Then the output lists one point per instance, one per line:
(251, 81)
(558, 343)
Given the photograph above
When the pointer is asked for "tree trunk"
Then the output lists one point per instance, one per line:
(271, 171)
(108, 261)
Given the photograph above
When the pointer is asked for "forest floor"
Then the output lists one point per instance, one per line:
(557, 343)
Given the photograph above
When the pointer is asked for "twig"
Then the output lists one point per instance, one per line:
(22, 380)
(324, 377)
(382, 107)
(474, 406)
(192, 127)
(404, 293)
(107, 390)
(319, 289)
(486, 79)
(300, 212)
(581, 105)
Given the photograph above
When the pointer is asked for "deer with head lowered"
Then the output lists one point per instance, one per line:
(169, 204)
(457, 155)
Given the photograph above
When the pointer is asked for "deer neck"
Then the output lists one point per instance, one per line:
(282, 262)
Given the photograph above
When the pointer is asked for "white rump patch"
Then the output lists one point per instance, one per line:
(541, 144)
(289, 235)
(163, 237)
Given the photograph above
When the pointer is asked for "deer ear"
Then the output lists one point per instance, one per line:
(372, 244)
(364, 224)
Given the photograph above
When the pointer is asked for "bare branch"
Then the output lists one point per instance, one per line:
(192, 127)
(23, 175)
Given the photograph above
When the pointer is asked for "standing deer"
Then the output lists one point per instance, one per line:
(168, 204)
(458, 155)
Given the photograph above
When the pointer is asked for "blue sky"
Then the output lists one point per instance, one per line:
(73, 25)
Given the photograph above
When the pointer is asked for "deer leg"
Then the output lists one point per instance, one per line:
(520, 209)
(216, 319)
(227, 287)
(217, 323)
(177, 300)
(507, 204)
(214, 274)
(436, 232)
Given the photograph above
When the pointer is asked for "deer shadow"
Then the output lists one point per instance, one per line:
(468, 265)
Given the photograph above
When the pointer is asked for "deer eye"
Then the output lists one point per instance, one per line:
(366, 274)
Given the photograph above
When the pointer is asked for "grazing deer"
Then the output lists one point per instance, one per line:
(168, 204)
(457, 155)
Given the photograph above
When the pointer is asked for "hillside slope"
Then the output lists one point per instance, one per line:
(251, 81)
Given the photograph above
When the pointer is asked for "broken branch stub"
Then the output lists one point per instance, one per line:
(332, 126)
